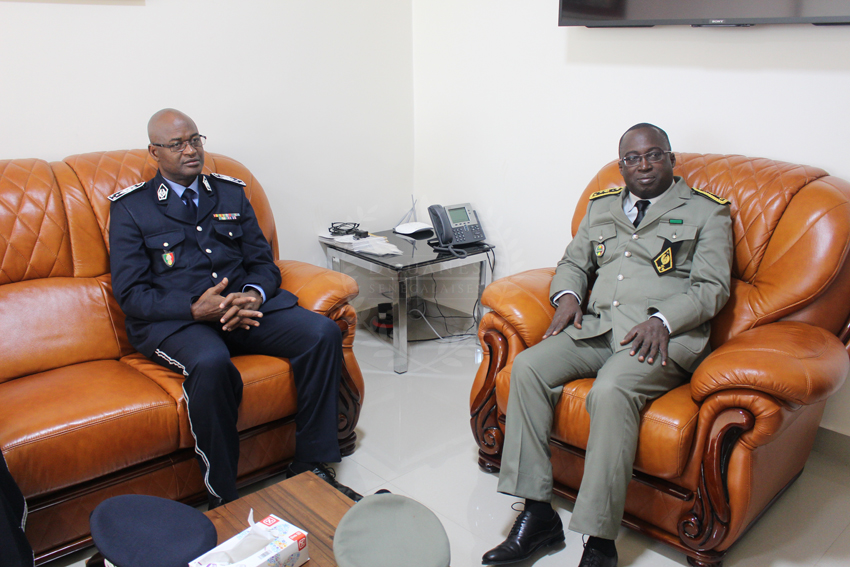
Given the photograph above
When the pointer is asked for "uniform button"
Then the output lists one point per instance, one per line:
(208, 251)
(601, 238)
(165, 244)
(616, 303)
(620, 277)
(198, 228)
(231, 234)
(214, 275)
(674, 237)
(628, 254)
(635, 237)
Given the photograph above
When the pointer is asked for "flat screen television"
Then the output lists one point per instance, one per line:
(642, 13)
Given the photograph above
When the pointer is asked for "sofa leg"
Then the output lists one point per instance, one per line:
(487, 463)
(697, 563)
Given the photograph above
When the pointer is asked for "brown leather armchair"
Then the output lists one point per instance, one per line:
(82, 415)
(715, 453)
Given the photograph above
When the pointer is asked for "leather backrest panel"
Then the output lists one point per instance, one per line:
(35, 240)
(54, 322)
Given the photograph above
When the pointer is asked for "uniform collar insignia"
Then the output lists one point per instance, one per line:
(206, 184)
(162, 192)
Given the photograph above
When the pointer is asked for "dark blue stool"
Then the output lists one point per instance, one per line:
(146, 531)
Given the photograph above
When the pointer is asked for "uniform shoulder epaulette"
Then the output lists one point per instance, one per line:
(228, 178)
(118, 194)
(712, 196)
(606, 192)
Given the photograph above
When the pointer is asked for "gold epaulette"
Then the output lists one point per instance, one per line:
(606, 192)
(711, 196)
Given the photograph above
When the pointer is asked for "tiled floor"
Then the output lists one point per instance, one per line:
(414, 439)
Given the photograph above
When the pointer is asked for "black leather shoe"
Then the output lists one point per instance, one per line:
(595, 558)
(328, 475)
(214, 502)
(529, 534)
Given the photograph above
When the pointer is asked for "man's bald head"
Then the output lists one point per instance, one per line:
(168, 129)
(164, 119)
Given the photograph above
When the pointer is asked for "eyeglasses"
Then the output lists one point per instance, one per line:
(341, 228)
(178, 147)
(654, 156)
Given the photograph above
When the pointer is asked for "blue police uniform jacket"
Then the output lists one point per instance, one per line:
(162, 260)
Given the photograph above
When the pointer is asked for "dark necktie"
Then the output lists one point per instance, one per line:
(189, 200)
(641, 205)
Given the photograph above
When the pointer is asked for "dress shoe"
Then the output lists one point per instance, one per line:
(328, 475)
(595, 558)
(214, 502)
(530, 533)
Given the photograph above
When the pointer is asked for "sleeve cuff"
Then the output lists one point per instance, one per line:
(560, 294)
(663, 320)
(263, 294)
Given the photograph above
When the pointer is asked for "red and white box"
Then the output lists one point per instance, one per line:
(271, 542)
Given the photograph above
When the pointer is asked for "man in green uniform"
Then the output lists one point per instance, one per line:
(661, 254)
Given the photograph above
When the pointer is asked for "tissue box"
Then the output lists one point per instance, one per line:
(286, 547)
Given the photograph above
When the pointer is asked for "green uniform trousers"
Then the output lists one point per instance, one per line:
(623, 386)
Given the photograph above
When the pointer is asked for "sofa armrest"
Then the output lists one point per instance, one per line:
(318, 289)
(523, 301)
(795, 362)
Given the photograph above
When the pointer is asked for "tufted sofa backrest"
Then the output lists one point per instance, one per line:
(791, 234)
(56, 302)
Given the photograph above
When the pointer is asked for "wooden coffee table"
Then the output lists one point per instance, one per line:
(305, 501)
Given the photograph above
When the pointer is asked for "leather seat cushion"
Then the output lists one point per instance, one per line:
(667, 428)
(66, 426)
(268, 393)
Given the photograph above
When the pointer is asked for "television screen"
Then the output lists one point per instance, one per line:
(617, 13)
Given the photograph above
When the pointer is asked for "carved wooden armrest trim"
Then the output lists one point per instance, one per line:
(485, 427)
(706, 524)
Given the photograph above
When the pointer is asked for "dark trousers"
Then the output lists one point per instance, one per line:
(15, 550)
(213, 386)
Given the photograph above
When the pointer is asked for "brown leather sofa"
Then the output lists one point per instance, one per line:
(715, 453)
(82, 415)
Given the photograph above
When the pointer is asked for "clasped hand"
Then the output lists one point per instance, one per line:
(649, 339)
(239, 310)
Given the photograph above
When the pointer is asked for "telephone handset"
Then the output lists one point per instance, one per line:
(454, 226)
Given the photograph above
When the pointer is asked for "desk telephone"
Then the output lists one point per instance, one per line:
(454, 226)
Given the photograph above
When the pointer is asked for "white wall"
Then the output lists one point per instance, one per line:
(313, 96)
(515, 115)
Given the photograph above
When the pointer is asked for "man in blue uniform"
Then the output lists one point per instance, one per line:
(196, 278)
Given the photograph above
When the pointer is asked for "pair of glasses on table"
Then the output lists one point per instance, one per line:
(343, 228)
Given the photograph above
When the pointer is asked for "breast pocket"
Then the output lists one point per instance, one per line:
(229, 237)
(682, 237)
(228, 232)
(603, 242)
(165, 250)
